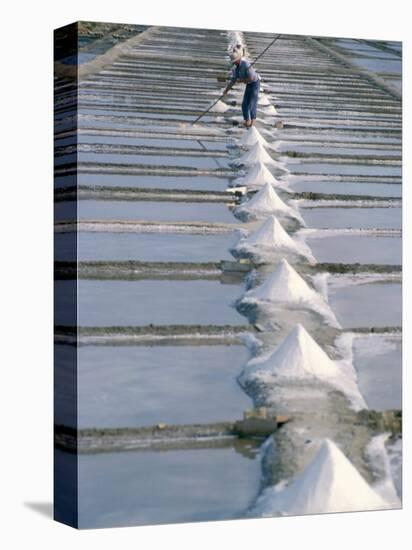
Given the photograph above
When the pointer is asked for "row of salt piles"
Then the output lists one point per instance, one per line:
(285, 284)
(330, 482)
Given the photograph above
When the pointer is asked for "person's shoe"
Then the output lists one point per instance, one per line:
(247, 123)
(252, 121)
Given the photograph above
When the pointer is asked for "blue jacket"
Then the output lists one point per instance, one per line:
(244, 71)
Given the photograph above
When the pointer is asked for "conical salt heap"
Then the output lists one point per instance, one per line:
(220, 107)
(257, 154)
(271, 235)
(251, 137)
(330, 483)
(285, 284)
(299, 356)
(258, 176)
(267, 201)
(263, 100)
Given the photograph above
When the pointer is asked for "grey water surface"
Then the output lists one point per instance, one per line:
(128, 303)
(145, 385)
(154, 487)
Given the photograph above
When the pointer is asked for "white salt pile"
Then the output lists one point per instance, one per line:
(286, 286)
(271, 237)
(266, 201)
(330, 483)
(263, 100)
(220, 107)
(377, 455)
(299, 357)
(257, 154)
(251, 137)
(258, 176)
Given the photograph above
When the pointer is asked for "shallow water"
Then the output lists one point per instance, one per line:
(367, 305)
(378, 362)
(324, 149)
(371, 58)
(152, 141)
(390, 65)
(347, 188)
(362, 218)
(357, 137)
(149, 487)
(396, 82)
(121, 117)
(146, 211)
(65, 385)
(356, 249)
(126, 303)
(166, 247)
(196, 183)
(143, 386)
(354, 45)
(345, 169)
(201, 162)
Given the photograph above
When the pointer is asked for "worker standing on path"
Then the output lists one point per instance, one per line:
(244, 72)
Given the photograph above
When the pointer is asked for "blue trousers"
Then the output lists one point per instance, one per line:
(249, 103)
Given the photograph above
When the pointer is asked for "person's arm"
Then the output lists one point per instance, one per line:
(231, 82)
(228, 87)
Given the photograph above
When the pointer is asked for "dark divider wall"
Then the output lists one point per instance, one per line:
(65, 300)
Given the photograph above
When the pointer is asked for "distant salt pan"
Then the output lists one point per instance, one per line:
(330, 483)
(264, 202)
(286, 286)
(271, 237)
